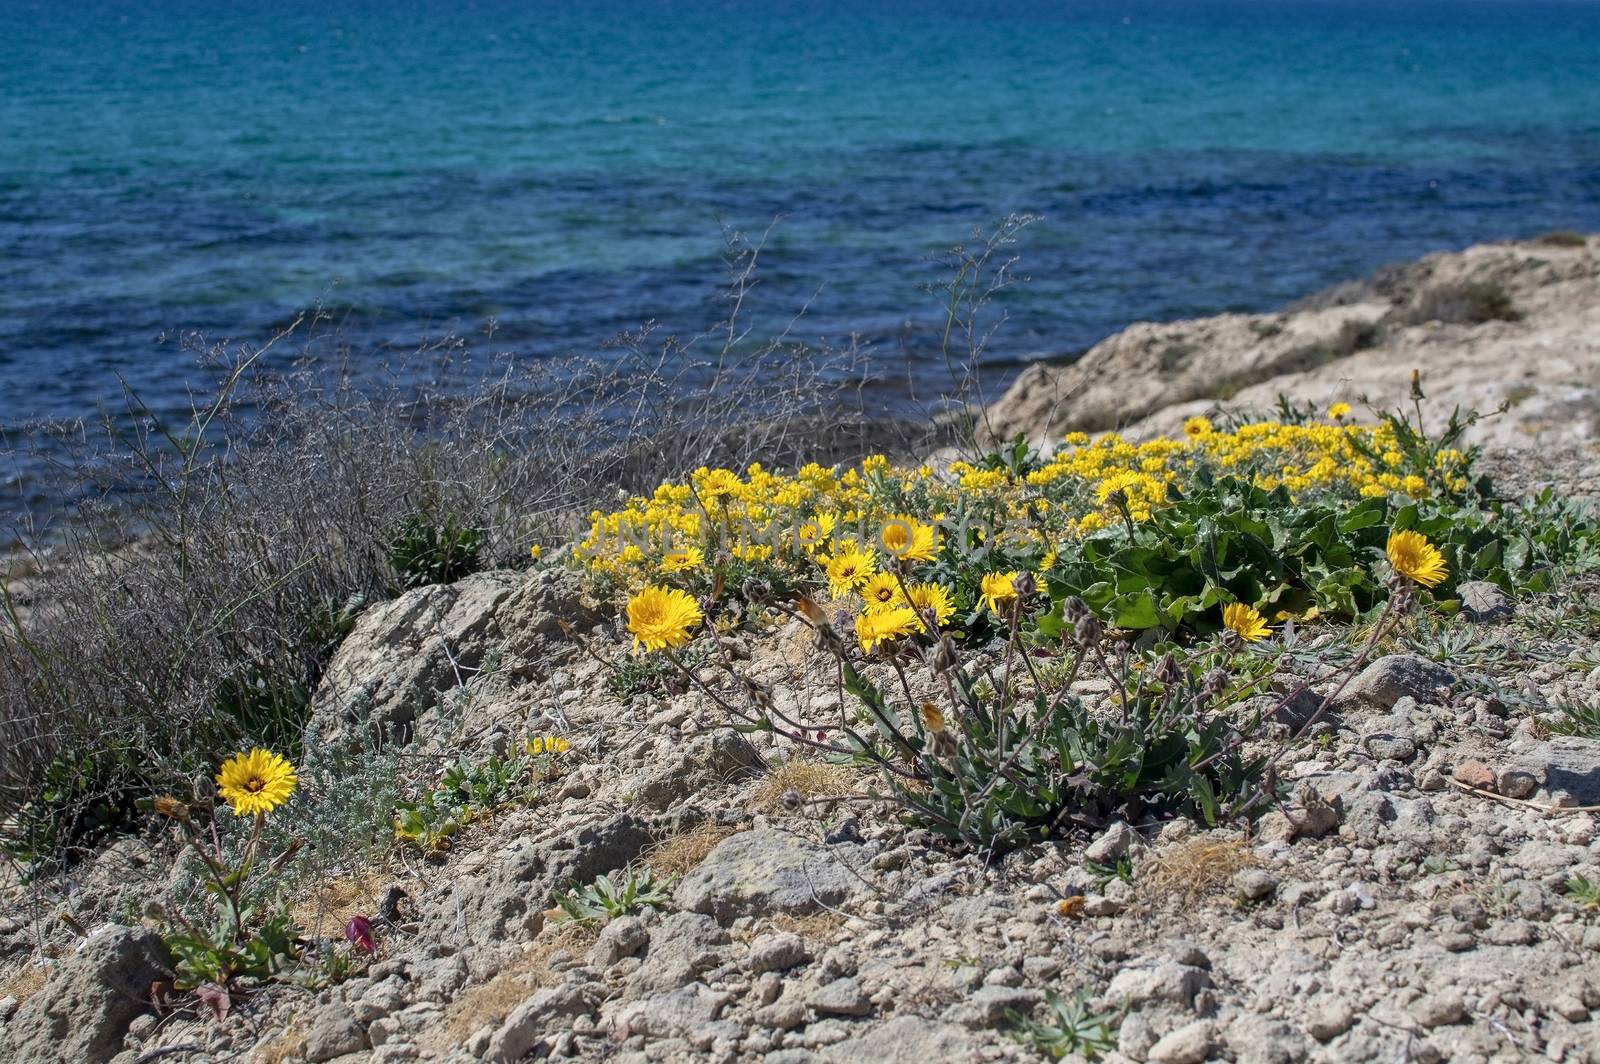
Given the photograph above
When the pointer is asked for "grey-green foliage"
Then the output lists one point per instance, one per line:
(607, 899)
(1069, 1027)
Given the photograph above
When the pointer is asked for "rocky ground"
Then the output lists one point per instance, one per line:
(1410, 901)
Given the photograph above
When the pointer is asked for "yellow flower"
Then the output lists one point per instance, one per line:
(1244, 620)
(257, 782)
(536, 551)
(882, 590)
(1416, 559)
(1339, 411)
(875, 627)
(932, 717)
(547, 744)
(1195, 427)
(682, 560)
(661, 617)
(932, 598)
(849, 569)
(906, 537)
(998, 588)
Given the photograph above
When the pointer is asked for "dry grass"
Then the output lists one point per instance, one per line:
(286, 1046)
(489, 1003)
(815, 927)
(24, 981)
(809, 779)
(677, 854)
(1194, 869)
(323, 909)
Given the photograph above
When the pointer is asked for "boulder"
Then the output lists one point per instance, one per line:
(905, 1039)
(392, 672)
(85, 1006)
(1483, 602)
(1391, 678)
(763, 872)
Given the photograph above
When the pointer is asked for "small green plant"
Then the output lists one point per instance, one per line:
(1581, 890)
(1101, 875)
(219, 953)
(425, 552)
(465, 792)
(83, 799)
(1438, 864)
(636, 675)
(1471, 303)
(605, 899)
(1578, 719)
(1069, 1027)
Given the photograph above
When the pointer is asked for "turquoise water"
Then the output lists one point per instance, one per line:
(566, 168)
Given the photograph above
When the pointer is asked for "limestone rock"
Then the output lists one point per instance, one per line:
(1483, 602)
(762, 872)
(333, 1033)
(1391, 678)
(905, 1039)
(89, 999)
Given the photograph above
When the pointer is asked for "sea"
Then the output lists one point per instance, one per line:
(548, 175)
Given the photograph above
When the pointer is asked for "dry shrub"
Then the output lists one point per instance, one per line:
(1193, 869)
(263, 519)
(24, 981)
(807, 778)
(814, 927)
(284, 1047)
(678, 854)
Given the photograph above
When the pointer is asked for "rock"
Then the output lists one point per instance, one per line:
(905, 1039)
(988, 1005)
(509, 899)
(683, 946)
(698, 764)
(333, 1032)
(777, 953)
(1189, 1044)
(1515, 783)
(762, 872)
(1483, 602)
(525, 1025)
(1166, 983)
(1254, 884)
(1329, 1019)
(842, 997)
(1387, 680)
(677, 1013)
(89, 999)
(1567, 766)
(1440, 1009)
(1390, 747)
(1475, 774)
(622, 937)
(1113, 843)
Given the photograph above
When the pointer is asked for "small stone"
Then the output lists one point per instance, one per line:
(1390, 747)
(777, 953)
(334, 1032)
(1100, 905)
(784, 1016)
(990, 1004)
(1189, 1044)
(1475, 774)
(1172, 984)
(1439, 1010)
(1113, 843)
(622, 937)
(1430, 780)
(1514, 783)
(1330, 1019)
(842, 997)
(1483, 602)
(1254, 884)
(1569, 1008)
(1390, 678)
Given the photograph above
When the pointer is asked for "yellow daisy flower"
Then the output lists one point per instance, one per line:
(1244, 620)
(1195, 427)
(906, 537)
(876, 627)
(255, 783)
(1414, 558)
(1339, 411)
(849, 569)
(934, 599)
(997, 588)
(682, 560)
(661, 617)
(882, 590)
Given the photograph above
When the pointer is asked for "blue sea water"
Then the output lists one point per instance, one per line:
(567, 168)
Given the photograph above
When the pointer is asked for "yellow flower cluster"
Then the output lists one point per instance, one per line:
(844, 528)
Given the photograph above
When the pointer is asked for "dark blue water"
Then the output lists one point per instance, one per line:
(567, 169)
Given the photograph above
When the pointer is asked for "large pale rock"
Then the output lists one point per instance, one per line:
(905, 1039)
(1391, 678)
(508, 900)
(763, 872)
(391, 674)
(1567, 767)
(84, 1008)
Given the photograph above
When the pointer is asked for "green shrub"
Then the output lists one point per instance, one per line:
(1469, 303)
(428, 552)
(607, 899)
(1069, 1028)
